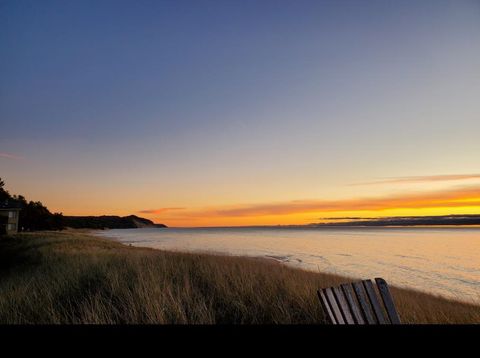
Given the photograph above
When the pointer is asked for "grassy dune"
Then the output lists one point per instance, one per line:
(76, 278)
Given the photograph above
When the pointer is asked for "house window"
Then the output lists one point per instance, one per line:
(11, 227)
(12, 214)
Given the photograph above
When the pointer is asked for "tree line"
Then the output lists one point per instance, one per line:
(33, 214)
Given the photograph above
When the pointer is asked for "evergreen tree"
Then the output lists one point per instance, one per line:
(4, 195)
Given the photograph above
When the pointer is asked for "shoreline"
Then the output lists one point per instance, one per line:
(77, 277)
(300, 262)
(279, 260)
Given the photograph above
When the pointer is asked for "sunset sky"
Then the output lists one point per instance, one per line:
(214, 113)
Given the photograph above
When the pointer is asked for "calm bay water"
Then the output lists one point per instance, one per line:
(443, 261)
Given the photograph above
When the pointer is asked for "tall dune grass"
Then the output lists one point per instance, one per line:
(76, 278)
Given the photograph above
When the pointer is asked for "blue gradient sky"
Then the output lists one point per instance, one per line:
(123, 106)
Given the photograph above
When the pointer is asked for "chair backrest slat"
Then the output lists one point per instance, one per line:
(326, 306)
(362, 299)
(334, 305)
(357, 315)
(387, 300)
(359, 303)
(374, 301)
(342, 303)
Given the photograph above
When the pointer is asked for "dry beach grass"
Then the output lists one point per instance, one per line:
(72, 277)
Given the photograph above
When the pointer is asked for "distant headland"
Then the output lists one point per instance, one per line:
(439, 220)
(109, 222)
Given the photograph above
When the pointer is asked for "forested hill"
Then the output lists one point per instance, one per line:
(108, 222)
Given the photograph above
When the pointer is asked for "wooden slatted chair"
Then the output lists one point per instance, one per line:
(358, 303)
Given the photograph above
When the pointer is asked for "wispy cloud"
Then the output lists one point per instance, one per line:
(10, 156)
(456, 197)
(474, 216)
(158, 211)
(344, 218)
(422, 179)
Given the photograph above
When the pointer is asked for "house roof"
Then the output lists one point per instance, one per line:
(10, 204)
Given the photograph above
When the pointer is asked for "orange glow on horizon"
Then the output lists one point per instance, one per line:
(464, 200)
(195, 208)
